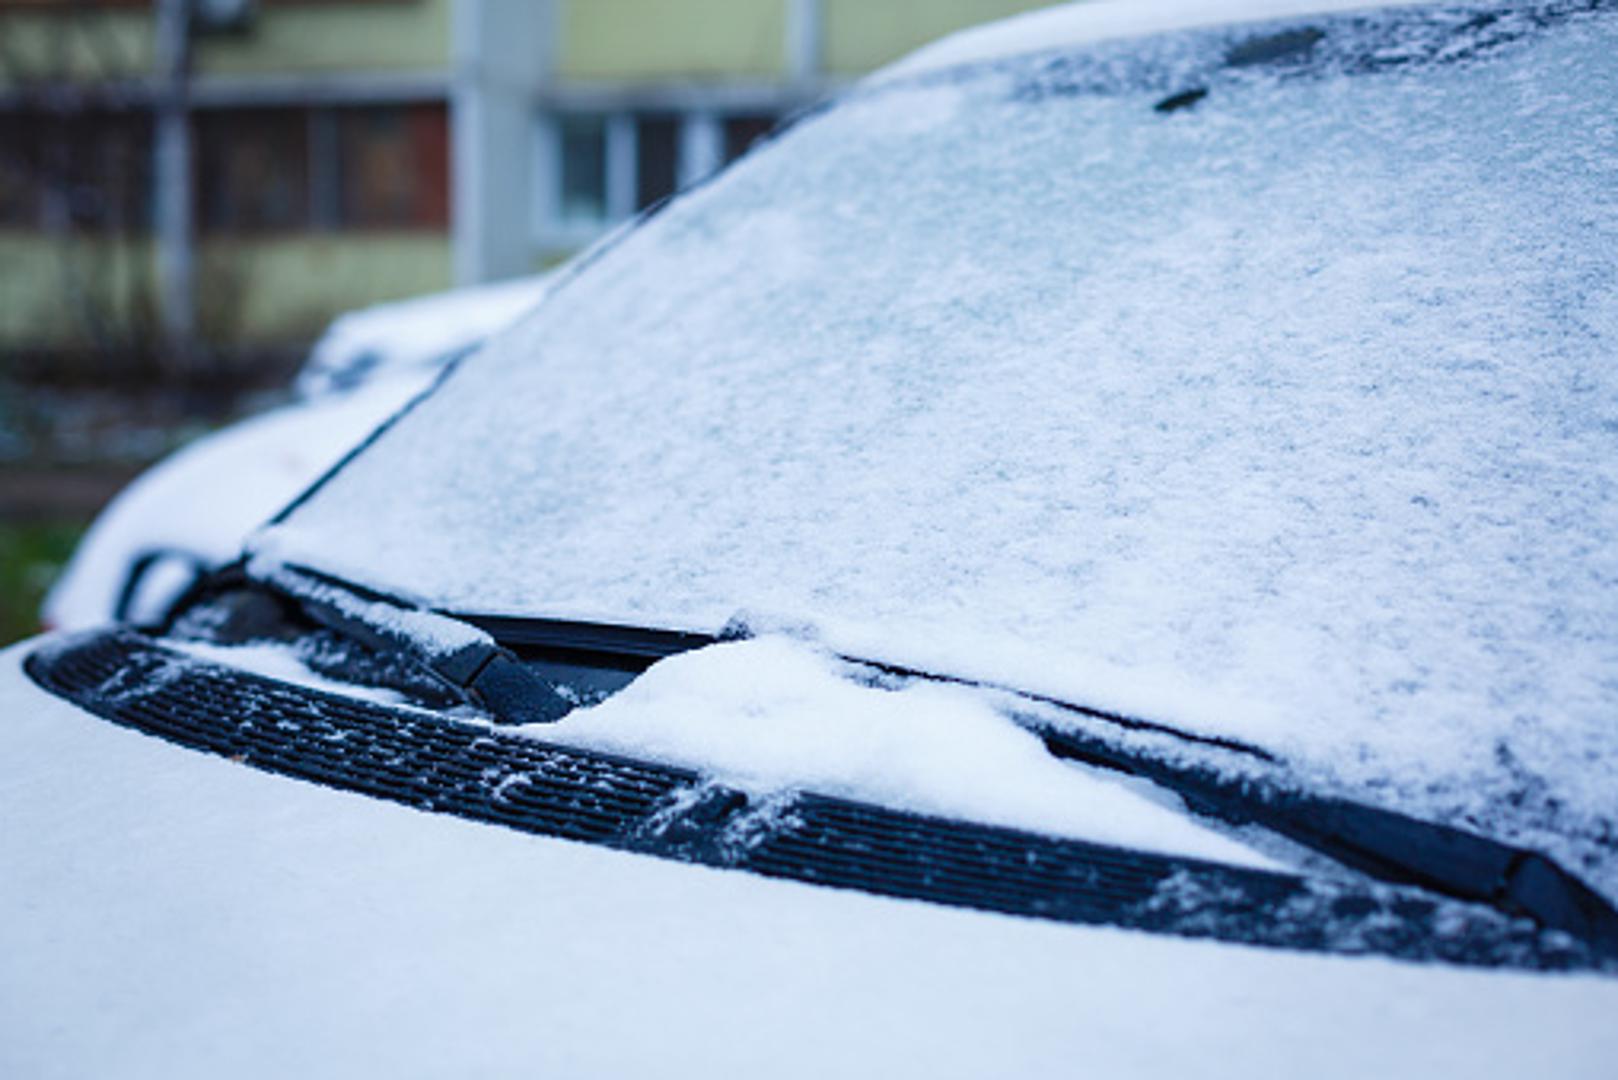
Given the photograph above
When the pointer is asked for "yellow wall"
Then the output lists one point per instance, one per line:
(661, 39)
(860, 35)
(599, 39)
(407, 35)
(403, 35)
(289, 288)
(259, 291)
(96, 45)
(47, 285)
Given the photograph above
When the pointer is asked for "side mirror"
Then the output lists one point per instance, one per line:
(155, 580)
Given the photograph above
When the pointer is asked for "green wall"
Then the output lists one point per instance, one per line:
(861, 35)
(363, 35)
(48, 286)
(406, 35)
(661, 39)
(256, 291)
(288, 288)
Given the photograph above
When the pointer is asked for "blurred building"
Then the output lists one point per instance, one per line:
(279, 161)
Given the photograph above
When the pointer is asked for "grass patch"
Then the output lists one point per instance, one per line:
(32, 554)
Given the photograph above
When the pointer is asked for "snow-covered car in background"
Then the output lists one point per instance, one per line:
(1092, 553)
(189, 513)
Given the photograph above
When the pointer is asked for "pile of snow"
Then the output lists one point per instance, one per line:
(772, 714)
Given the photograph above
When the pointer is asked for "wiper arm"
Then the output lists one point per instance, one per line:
(455, 655)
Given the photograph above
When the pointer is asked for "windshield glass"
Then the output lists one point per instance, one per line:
(1259, 381)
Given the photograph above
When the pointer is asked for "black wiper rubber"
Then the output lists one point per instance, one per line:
(502, 684)
(1386, 845)
(624, 646)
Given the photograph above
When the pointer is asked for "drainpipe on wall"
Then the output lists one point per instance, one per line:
(501, 59)
(175, 230)
(803, 42)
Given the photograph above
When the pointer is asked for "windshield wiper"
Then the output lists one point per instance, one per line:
(448, 655)
(462, 656)
(1380, 843)
(501, 664)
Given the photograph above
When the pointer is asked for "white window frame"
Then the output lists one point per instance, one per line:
(701, 151)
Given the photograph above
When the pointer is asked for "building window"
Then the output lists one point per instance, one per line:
(657, 159)
(743, 131)
(394, 167)
(583, 165)
(21, 182)
(354, 167)
(88, 171)
(598, 168)
(253, 169)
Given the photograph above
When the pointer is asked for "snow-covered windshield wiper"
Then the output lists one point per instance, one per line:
(1380, 843)
(1242, 784)
(529, 670)
(431, 657)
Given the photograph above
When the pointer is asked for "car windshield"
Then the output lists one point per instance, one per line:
(1255, 380)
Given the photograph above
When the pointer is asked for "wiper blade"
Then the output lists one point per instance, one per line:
(625, 645)
(1381, 843)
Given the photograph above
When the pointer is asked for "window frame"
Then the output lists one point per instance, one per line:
(700, 142)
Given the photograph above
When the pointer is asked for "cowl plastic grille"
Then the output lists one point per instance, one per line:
(468, 769)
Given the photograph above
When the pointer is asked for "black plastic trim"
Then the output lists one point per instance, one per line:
(630, 646)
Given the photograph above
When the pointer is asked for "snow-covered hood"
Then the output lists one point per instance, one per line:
(170, 913)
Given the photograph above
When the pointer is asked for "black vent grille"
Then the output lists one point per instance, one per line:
(404, 756)
(846, 844)
(443, 764)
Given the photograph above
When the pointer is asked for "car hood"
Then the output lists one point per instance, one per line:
(190, 915)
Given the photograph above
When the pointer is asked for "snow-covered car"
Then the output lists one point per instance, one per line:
(189, 513)
(1092, 553)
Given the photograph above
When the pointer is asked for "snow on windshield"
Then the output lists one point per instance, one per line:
(1289, 414)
